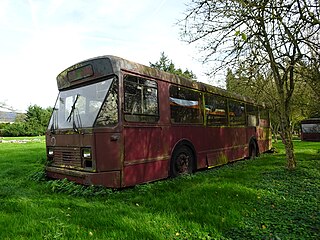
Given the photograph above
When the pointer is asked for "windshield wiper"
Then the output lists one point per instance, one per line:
(73, 108)
(74, 126)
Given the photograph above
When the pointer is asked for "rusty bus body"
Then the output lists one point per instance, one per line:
(97, 135)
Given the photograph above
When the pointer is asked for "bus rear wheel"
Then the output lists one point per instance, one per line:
(182, 162)
(254, 152)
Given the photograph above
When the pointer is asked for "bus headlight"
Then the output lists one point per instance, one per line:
(50, 152)
(86, 153)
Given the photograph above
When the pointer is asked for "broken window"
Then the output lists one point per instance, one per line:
(264, 117)
(252, 115)
(264, 113)
(140, 99)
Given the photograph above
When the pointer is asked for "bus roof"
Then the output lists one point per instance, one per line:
(109, 65)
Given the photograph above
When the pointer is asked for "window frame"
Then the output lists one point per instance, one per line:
(140, 117)
(200, 105)
(249, 115)
(220, 97)
(96, 124)
(236, 123)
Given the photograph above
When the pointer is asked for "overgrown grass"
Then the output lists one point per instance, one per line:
(256, 199)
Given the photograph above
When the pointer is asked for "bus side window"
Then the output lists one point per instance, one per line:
(185, 105)
(237, 113)
(263, 117)
(108, 115)
(252, 115)
(140, 99)
(216, 110)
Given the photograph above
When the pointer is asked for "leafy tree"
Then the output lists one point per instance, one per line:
(165, 64)
(257, 87)
(262, 35)
(34, 123)
(37, 120)
(21, 117)
(311, 74)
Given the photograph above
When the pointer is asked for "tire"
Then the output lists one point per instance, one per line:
(253, 148)
(182, 162)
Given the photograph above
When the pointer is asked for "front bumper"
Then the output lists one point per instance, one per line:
(110, 179)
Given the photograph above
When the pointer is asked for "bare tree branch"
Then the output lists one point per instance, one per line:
(267, 34)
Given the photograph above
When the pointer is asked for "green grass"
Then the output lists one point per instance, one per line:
(251, 199)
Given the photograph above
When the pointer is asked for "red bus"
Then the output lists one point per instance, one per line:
(118, 123)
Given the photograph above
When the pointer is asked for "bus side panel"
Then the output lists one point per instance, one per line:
(144, 143)
(264, 139)
(145, 172)
(225, 144)
(214, 145)
(192, 134)
(108, 151)
(310, 136)
(146, 154)
(310, 129)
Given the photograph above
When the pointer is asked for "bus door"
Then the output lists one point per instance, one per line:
(144, 152)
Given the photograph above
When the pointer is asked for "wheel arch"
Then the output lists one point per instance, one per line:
(253, 142)
(187, 143)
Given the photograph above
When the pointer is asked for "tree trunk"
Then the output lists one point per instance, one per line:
(288, 144)
(286, 135)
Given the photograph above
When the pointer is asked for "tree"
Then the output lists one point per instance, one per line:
(303, 99)
(257, 87)
(35, 122)
(261, 35)
(165, 64)
(311, 74)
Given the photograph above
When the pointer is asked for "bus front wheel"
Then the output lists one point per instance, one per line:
(181, 162)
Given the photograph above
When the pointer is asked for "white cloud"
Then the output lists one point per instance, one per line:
(42, 38)
(3, 10)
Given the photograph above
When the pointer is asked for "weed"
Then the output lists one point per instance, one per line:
(74, 189)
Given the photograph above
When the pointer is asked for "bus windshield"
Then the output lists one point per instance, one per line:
(78, 108)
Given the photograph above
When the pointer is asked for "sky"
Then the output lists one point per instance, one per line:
(41, 38)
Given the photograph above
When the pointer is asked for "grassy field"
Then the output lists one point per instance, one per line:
(250, 199)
